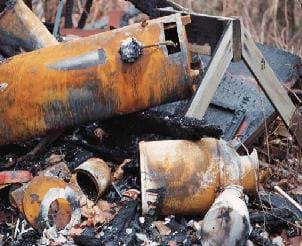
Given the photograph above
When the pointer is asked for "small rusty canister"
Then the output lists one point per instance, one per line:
(93, 177)
(49, 202)
(183, 177)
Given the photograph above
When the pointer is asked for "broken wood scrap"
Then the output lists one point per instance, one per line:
(83, 240)
(21, 29)
(68, 14)
(273, 200)
(85, 14)
(116, 228)
(288, 198)
(260, 237)
(107, 153)
(239, 107)
(162, 123)
(273, 217)
(45, 142)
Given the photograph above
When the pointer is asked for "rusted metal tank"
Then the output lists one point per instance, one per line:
(183, 177)
(86, 80)
(21, 28)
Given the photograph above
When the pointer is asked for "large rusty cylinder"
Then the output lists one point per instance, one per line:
(86, 80)
(183, 177)
(21, 28)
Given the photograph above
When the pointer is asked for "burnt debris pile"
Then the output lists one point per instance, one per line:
(152, 126)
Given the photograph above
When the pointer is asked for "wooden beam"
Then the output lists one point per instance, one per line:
(267, 78)
(237, 44)
(203, 29)
(213, 75)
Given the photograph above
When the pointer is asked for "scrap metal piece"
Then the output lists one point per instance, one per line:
(13, 177)
(182, 177)
(58, 19)
(21, 28)
(16, 195)
(59, 170)
(93, 177)
(131, 50)
(86, 80)
(227, 222)
(43, 192)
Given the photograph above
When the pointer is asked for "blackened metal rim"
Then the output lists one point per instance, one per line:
(52, 195)
(82, 171)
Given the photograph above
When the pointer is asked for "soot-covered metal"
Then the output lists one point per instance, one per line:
(86, 80)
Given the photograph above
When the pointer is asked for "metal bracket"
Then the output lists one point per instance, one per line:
(236, 44)
(58, 19)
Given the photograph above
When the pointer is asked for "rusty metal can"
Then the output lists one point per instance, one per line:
(48, 202)
(183, 177)
(93, 177)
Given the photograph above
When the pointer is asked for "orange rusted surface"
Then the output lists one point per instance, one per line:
(85, 80)
(182, 177)
(20, 27)
(34, 195)
(79, 32)
(98, 172)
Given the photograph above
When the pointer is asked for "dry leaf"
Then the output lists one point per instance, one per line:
(132, 193)
(75, 231)
(119, 172)
(100, 133)
(172, 243)
(105, 206)
(54, 158)
(162, 228)
(99, 213)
